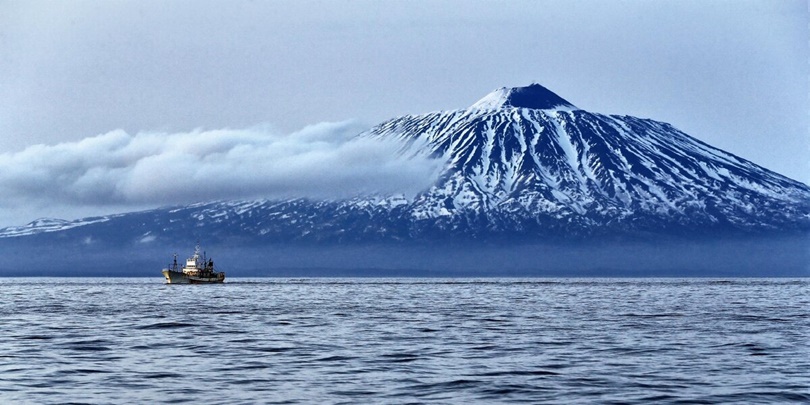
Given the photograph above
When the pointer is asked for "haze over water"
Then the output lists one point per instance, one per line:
(405, 340)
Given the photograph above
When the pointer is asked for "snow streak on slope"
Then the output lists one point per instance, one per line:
(43, 225)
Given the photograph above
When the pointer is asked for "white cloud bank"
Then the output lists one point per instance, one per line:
(117, 169)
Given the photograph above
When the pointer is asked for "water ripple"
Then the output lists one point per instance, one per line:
(301, 341)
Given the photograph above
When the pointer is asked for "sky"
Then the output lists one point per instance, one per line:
(110, 106)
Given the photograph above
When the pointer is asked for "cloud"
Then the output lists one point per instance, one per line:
(326, 160)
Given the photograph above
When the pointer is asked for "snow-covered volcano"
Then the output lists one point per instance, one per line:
(521, 163)
(524, 157)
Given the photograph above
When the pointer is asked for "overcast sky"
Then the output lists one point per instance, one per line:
(112, 76)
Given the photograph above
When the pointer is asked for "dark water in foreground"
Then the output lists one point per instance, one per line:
(405, 341)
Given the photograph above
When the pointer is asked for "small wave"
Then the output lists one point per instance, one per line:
(354, 393)
(36, 337)
(83, 371)
(97, 345)
(269, 349)
(429, 389)
(661, 315)
(485, 347)
(754, 349)
(529, 373)
(244, 340)
(400, 357)
(83, 348)
(153, 376)
(754, 396)
(498, 393)
(335, 358)
(249, 366)
(166, 325)
(252, 381)
(759, 318)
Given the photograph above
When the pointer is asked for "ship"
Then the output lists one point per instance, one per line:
(198, 270)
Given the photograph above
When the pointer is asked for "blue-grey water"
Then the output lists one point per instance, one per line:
(405, 341)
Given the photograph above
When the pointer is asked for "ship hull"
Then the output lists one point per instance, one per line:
(178, 277)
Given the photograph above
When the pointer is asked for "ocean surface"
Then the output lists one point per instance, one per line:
(392, 341)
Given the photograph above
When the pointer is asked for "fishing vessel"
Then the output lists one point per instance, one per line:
(198, 270)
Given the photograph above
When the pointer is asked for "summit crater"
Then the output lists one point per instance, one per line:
(534, 97)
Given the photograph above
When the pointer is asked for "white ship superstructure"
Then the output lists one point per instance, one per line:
(197, 270)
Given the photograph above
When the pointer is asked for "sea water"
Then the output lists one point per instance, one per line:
(65, 340)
